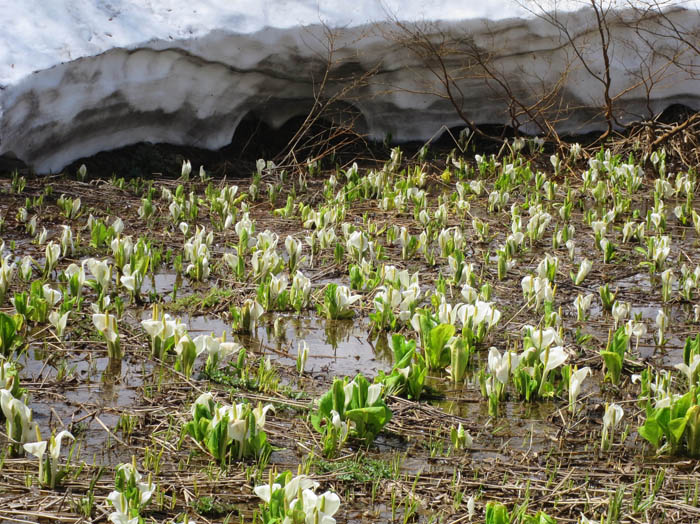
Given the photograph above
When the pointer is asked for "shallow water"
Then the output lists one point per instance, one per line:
(94, 388)
(162, 283)
(336, 347)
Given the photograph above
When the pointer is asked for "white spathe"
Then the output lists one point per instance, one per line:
(118, 73)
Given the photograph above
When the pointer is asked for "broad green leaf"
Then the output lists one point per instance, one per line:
(677, 428)
(680, 407)
(7, 334)
(438, 354)
(693, 431)
(416, 382)
(497, 514)
(613, 364)
(652, 432)
(403, 350)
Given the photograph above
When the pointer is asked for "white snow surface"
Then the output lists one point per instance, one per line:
(82, 76)
(37, 34)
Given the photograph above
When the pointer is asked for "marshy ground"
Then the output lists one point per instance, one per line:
(470, 228)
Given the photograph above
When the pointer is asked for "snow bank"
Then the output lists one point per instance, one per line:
(115, 73)
(38, 34)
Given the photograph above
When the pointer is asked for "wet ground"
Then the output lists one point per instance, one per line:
(532, 455)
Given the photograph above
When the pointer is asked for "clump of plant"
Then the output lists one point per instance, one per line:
(10, 339)
(130, 495)
(106, 325)
(245, 318)
(163, 331)
(293, 500)
(497, 513)
(672, 419)
(350, 408)
(50, 474)
(37, 304)
(7, 273)
(337, 302)
(614, 355)
(9, 378)
(435, 338)
(19, 423)
(539, 363)
(229, 432)
(611, 419)
(212, 507)
(407, 377)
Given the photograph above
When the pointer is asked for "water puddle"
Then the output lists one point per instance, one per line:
(88, 396)
(336, 347)
(161, 283)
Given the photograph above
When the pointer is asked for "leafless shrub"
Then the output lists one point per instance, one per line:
(633, 51)
(331, 123)
(458, 66)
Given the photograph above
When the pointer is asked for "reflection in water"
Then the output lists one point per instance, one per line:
(163, 284)
(336, 347)
(112, 371)
(105, 389)
(600, 322)
(338, 331)
(522, 424)
(110, 377)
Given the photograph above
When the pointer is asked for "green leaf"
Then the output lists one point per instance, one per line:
(680, 407)
(693, 431)
(333, 399)
(460, 351)
(539, 518)
(338, 397)
(438, 353)
(613, 364)
(652, 432)
(8, 330)
(416, 381)
(369, 421)
(403, 350)
(677, 428)
(497, 513)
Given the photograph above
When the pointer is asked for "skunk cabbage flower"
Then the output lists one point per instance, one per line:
(690, 371)
(319, 508)
(662, 324)
(186, 169)
(51, 296)
(302, 356)
(357, 244)
(636, 329)
(344, 298)
(18, 416)
(583, 270)
(252, 310)
(576, 379)
(582, 304)
(501, 366)
(106, 324)
(59, 322)
(265, 491)
(101, 271)
(52, 253)
(543, 338)
(38, 449)
(612, 417)
(461, 439)
(260, 412)
(620, 311)
(553, 358)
